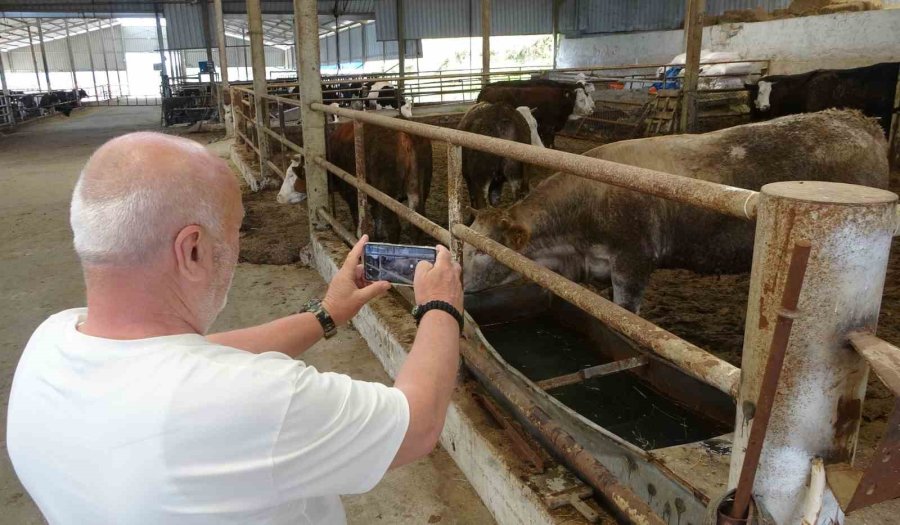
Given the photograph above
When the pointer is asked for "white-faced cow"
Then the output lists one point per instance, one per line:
(595, 232)
(486, 173)
(554, 103)
(869, 89)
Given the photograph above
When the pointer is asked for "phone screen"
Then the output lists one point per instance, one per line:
(395, 263)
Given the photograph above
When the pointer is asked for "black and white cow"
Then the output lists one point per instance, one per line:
(869, 89)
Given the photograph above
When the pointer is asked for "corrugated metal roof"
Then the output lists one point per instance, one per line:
(462, 18)
(184, 24)
(353, 51)
(19, 59)
(108, 7)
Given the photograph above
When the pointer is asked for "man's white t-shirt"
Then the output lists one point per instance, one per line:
(179, 430)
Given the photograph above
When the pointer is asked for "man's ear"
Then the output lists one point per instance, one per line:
(189, 254)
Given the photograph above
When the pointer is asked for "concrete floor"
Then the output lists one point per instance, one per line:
(40, 275)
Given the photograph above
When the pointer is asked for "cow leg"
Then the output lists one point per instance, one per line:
(630, 274)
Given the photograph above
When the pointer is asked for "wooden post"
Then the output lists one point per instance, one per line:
(693, 41)
(44, 53)
(485, 41)
(306, 23)
(71, 56)
(258, 56)
(37, 74)
(223, 66)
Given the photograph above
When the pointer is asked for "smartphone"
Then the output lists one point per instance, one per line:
(395, 263)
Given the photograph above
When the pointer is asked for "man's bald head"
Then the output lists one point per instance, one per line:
(138, 191)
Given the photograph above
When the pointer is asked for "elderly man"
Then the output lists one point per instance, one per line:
(126, 412)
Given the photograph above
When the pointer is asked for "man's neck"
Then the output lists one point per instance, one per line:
(125, 305)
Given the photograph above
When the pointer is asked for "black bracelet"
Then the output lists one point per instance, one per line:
(420, 310)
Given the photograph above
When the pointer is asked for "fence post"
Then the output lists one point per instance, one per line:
(818, 406)
(364, 225)
(306, 29)
(454, 198)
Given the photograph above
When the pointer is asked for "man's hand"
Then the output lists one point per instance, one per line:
(439, 282)
(349, 291)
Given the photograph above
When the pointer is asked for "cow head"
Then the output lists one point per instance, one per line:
(584, 104)
(764, 91)
(481, 271)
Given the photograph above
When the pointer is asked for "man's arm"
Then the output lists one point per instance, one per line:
(294, 334)
(428, 375)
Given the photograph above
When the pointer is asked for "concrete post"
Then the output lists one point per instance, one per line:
(258, 56)
(823, 382)
(87, 35)
(306, 24)
(693, 42)
(164, 79)
(105, 62)
(44, 53)
(71, 56)
(485, 41)
(223, 66)
(37, 73)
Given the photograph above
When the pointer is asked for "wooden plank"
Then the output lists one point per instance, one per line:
(591, 372)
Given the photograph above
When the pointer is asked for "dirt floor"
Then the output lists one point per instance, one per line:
(40, 275)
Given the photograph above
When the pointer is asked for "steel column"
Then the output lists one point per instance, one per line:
(693, 42)
(223, 66)
(364, 225)
(306, 24)
(44, 53)
(207, 39)
(258, 56)
(37, 73)
(12, 114)
(246, 60)
(105, 62)
(164, 79)
(819, 401)
(124, 60)
(401, 50)
(485, 41)
(555, 21)
(87, 35)
(71, 56)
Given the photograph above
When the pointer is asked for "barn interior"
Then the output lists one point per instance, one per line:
(569, 408)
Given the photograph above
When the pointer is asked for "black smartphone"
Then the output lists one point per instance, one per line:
(395, 263)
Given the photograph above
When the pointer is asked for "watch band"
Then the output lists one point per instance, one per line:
(315, 307)
(420, 310)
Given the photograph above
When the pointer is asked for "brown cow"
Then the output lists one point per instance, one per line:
(397, 163)
(554, 103)
(594, 232)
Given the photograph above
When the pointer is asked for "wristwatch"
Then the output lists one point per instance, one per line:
(315, 307)
(420, 310)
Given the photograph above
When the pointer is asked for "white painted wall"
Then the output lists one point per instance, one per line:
(794, 45)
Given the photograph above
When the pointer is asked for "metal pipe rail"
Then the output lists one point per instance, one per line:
(737, 202)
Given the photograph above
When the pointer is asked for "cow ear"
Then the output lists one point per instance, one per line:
(517, 236)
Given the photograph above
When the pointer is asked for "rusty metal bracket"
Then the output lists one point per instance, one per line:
(880, 481)
(518, 441)
(575, 497)
(593, 371)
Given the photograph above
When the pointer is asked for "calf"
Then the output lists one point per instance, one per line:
(486, 173)
(869, 89)
(594, 232)
(397, 163)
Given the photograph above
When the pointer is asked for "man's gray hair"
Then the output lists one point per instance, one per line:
(129, 223)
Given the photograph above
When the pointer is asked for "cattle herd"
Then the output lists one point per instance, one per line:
(598, 233)
(30, 105)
